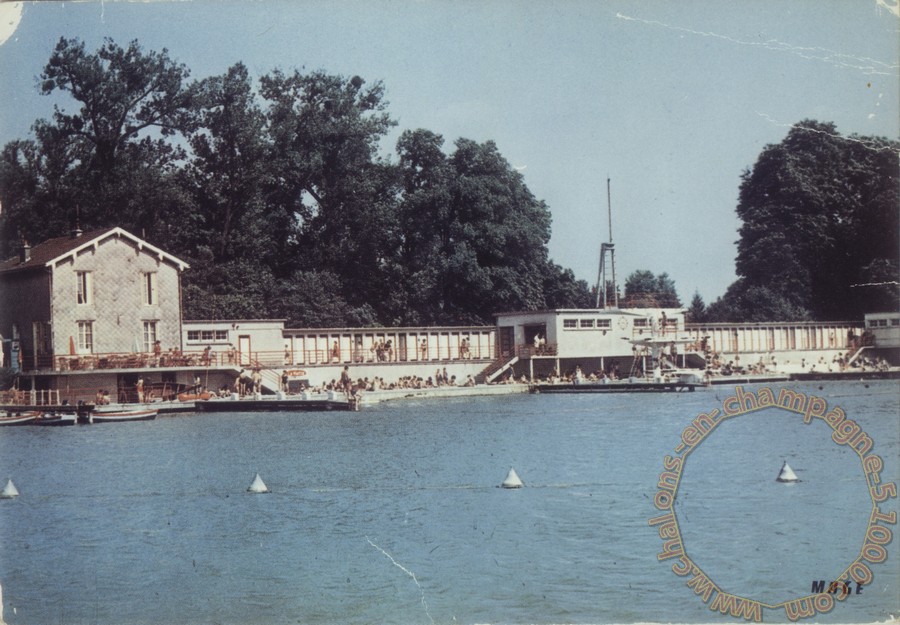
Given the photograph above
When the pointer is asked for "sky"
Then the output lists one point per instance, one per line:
(670, 101)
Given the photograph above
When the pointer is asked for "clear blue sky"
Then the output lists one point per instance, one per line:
(671, 100)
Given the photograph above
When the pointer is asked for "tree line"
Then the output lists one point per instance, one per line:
(277, 195)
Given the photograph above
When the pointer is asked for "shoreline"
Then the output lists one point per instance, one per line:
(332, 400)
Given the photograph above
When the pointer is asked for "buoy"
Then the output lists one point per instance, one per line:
(9, 491)
(512, 480)
(258, 486)
(787, 474)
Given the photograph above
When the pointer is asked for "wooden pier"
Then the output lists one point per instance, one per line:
(79, 409)
(615, 387)
(270, 405)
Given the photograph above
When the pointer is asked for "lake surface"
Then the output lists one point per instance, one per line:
(393, 515)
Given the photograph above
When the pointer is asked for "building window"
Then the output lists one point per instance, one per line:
(85, 287)
(149, 335)
(640, 323)
(604, 324)
(208, 336)
(149, 287)
(586, 323)
(570, 324)
(86, 337)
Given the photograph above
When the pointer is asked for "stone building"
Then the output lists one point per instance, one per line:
(81, 297)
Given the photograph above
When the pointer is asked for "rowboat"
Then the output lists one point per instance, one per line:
(19, 418)
(53, 419)
(204, 396)
(113, 415)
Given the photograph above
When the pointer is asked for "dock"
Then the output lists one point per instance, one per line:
(615, 387)
(270, 405)
(79, 409)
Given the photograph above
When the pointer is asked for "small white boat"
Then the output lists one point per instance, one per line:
(112, 414)
(54, 419)
(19, 418)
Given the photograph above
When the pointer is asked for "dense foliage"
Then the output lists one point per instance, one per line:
(643, 289)
(821, 230)
(277, 196)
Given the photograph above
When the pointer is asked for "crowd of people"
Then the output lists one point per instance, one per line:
(349, 386)
(843, 362)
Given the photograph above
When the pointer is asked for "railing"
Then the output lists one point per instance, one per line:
(165, 391)
(313, 357)
(529, 351)
(498, 365)
(236, 359)
(31, 398)
(118, 360)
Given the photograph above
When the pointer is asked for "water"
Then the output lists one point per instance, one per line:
(392, 514)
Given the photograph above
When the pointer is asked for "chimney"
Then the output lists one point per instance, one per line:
(76, 231)
(24, 252)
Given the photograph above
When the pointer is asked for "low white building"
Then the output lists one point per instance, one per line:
(882, 335)
(536, 343)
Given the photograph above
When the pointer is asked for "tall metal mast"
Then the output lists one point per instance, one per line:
(604, 248)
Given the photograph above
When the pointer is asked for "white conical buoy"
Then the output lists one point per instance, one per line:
(512, 480)
(9, 491)
(258, 486)
(787, 474)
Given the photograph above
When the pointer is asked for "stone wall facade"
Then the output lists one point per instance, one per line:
(119, 271)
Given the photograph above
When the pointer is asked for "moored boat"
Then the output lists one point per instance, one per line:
(19, 418)
(204, 396)
(57, 418)
(115, 414)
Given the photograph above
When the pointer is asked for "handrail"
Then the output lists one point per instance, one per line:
(160, 391)
(236, 359)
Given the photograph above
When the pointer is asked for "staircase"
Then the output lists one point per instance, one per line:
(856, 355)
(496, 368)
(270, 383)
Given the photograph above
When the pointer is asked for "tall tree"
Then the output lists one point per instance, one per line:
(325, 131)
(473, 236)
(229, 170)
(818, 210)
(110, 159)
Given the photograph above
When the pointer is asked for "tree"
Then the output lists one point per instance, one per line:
(277, 196)
(228, 172)
(473, 236)
(110, 161)
(743, 303)
(643, 289)
(336, 194)
(696, 312)
(818, 210)
(562, 290)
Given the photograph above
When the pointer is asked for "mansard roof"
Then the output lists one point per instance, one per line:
(53, 251)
